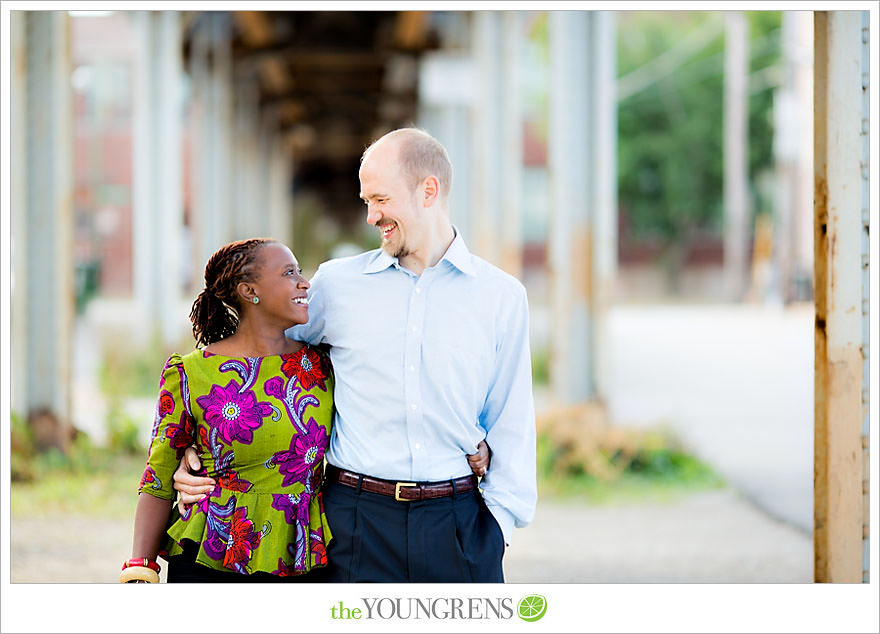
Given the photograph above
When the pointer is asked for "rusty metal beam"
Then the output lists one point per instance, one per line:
(838, 489)
(255, 26)
(488, 139)
(157, 167)
(309, 57)
(510, 231)
(570, 243)
(43, 289)
(411, 29)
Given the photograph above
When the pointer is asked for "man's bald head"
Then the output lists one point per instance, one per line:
(419, 155)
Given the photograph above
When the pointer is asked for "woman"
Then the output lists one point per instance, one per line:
(258, 408)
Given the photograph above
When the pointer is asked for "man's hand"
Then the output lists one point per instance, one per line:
(192, 488)
(479, 462)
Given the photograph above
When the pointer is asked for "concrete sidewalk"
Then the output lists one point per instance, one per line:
(734, 382)
(707, 537)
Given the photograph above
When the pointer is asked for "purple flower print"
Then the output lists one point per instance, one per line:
(180, 436)
(294, 505)
(235, 414)
(217, 534)
(306, 451)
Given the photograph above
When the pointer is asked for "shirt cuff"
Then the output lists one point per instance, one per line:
(505, 520)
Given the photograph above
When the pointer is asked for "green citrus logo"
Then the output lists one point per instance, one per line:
(532, 607)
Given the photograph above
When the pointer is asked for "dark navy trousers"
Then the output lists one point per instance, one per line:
(378, 539)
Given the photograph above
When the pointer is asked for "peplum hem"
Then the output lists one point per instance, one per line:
(244, 532)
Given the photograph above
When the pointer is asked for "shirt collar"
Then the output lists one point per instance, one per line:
(457, 255)
(379, 261)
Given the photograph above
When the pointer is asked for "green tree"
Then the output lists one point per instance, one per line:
(670, 123)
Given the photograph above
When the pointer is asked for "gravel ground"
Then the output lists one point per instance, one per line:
(706, 537)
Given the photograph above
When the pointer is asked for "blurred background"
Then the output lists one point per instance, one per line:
(648, 175)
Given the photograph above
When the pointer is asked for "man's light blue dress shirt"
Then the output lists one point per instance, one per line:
(426, 367)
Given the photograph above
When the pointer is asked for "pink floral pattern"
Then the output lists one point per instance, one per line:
(238, 413)
(306, 451)
(235, 414)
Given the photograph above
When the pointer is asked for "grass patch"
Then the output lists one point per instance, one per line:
(629, 486)
(90, 480)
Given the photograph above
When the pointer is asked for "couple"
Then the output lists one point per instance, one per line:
(430, 357)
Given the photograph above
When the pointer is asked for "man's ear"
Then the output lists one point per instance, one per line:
(431, 191)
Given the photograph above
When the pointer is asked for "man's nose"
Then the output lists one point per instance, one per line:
(373, 215)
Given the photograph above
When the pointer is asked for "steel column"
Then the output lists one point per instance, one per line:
(157, 178)
(839, 356)
(43, 292)
(570, 241)
(736, 207)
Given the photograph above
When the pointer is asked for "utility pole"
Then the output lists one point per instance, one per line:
(736, 207)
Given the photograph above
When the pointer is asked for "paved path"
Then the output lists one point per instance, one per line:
(707, 537)
(735, 382)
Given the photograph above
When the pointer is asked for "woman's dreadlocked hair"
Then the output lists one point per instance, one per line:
(215, 313)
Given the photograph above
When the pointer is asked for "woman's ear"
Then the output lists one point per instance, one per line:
(246, 292)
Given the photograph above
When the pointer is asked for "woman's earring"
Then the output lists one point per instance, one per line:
(256, 300)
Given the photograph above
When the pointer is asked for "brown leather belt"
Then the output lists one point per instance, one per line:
(402, 491)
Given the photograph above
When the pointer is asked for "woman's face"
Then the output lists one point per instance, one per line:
(280, 285)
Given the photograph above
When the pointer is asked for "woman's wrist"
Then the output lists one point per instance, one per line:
(144, 562)
(140, 570)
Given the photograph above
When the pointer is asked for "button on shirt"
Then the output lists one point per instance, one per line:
(426, 367)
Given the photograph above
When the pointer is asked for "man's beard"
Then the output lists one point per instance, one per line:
(396, 251)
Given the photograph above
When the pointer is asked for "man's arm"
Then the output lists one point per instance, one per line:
(312, 332)
(192, 488)
(510, 487)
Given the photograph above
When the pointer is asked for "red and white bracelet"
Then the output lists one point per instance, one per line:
(140, 569)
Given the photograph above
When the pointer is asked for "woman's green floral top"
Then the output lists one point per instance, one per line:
(261, 427)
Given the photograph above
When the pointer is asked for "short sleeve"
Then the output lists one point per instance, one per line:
(173, 431)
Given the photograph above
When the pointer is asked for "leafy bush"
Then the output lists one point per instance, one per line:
(541, 367)
(579, 453)
(22, 449)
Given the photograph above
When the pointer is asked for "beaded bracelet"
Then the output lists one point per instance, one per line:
(142, 562)
(136, 573)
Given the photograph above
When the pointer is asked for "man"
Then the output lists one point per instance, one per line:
(431, 354)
